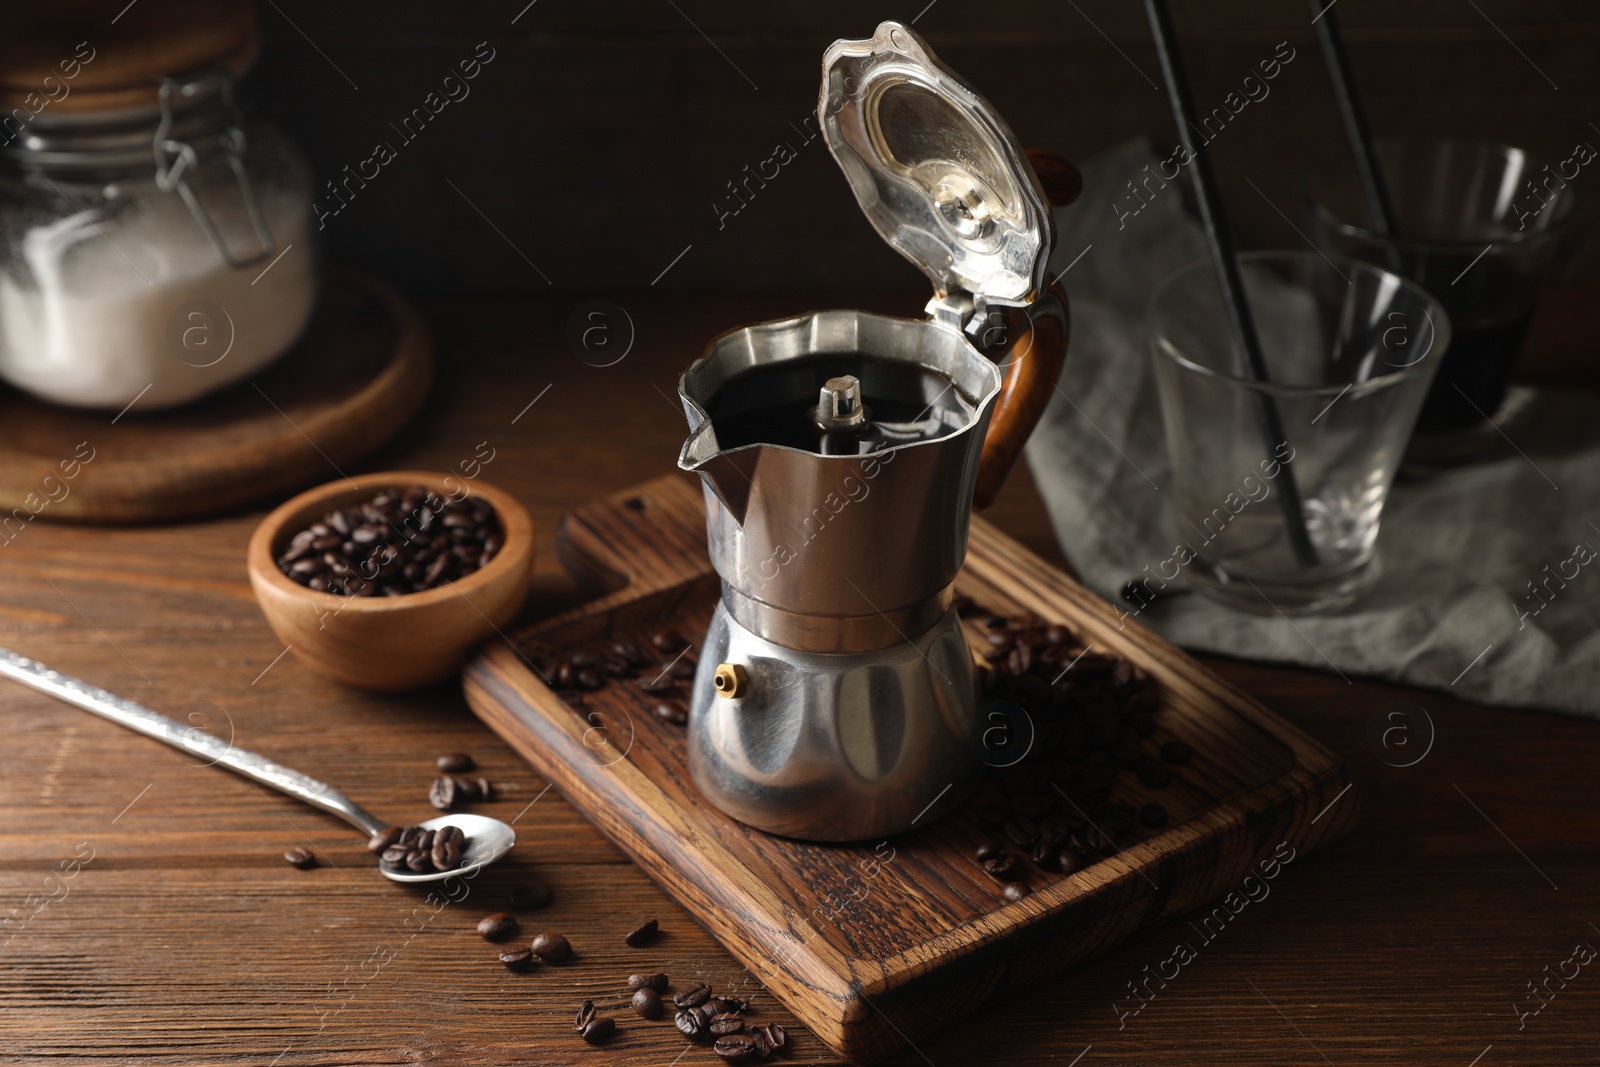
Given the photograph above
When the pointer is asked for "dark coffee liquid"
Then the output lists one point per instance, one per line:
(776, 404)
(1490, 306)
(1473, 375)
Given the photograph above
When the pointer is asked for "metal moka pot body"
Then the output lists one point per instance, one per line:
(834, 697)
(846, 703)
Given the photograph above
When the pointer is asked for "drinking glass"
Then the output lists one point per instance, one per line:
(1278, 485)
(1480, 228)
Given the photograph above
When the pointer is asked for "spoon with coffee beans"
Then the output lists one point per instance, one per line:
(451, 845)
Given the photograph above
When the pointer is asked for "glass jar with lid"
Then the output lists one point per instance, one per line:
(155, 243)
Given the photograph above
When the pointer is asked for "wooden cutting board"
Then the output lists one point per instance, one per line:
(878, 945)
(357, 376)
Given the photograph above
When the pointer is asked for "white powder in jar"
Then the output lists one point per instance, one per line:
(114, 306)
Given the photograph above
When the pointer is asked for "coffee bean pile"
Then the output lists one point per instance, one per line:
(662, 667)
(1087, 718)
(401, 541)
(700, 1015)
(417, 850)
(502, 926)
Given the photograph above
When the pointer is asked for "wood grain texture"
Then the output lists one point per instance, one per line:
(358, 375)
(875, 949)
(187, 941)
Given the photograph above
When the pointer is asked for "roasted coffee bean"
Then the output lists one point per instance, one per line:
(763, 1043)
(725, 1023)
(589, 678)
(647, 1003)
(657, 982)
(628, 653)
(777, 1036)
(300, 857)
(498, 927)
(643, 934)
(735, 1049)
(657, 682)
(1177, 753)
(446, 851)
(600, 1030)
(988, 849)
(552, 947)
(485, 789)
(1154, 774)
(1014, 891)
(694, 996)
(667, 640)
(395, 855)
(531, 897)
(1069, 861)
(682, 669)
(519, 960)
(584, 1017)
(381, 841)
(454, 763)
(442, 794)
(673, 712)
(1153, 815)
(999, 865)
(1021, 831)
(690, 1024)
(419, 862)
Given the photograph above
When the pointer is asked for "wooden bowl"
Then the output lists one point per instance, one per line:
(390, 642)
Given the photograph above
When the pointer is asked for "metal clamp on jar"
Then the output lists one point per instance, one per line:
(841, 453)
(155, 244)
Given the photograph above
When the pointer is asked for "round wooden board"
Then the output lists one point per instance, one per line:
(358, 375)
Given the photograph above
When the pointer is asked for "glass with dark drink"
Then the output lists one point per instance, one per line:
(1479, 227)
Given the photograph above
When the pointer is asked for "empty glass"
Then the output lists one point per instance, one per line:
(1481, 226)
(1350, 350)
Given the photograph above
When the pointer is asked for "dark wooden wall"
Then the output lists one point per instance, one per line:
(603, 132)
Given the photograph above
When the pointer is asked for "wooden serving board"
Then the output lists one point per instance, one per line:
(874, 946)
(358, 375)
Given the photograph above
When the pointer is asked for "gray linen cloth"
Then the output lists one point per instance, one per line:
(1488, 587)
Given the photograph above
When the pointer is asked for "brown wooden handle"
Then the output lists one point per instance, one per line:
(1032, 361)
(1036, 349)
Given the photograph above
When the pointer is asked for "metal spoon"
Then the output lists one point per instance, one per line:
(487, 839)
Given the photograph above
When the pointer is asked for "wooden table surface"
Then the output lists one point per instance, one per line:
(146, 914)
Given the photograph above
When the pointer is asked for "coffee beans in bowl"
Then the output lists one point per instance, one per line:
(376, 584)
(402, 540)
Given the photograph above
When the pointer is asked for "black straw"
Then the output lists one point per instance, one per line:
(1355, 120)
(1220, 242)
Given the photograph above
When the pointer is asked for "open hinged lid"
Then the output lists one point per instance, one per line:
(937, 171)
